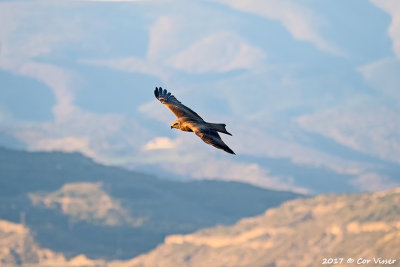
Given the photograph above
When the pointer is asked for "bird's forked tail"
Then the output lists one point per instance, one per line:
(220, 127)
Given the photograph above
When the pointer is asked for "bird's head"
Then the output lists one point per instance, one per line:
(175, 124)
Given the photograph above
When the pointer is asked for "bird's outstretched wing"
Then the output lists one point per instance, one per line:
(211, 137)
(175, 106)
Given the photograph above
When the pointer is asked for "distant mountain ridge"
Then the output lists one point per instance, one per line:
(74, 205)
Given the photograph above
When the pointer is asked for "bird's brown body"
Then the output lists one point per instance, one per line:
(186, 125)
(190, 121)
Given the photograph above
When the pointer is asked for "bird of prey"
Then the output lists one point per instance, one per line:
(190, 121)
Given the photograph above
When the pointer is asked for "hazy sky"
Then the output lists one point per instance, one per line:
(309, 89)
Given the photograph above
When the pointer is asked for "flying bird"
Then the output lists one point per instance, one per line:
(190, 121)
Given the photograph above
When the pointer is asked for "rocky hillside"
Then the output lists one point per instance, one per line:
(86, 202)
(18, 248)
(303, 232)
(298, 233)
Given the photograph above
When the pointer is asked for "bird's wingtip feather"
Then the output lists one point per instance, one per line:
(230, 151)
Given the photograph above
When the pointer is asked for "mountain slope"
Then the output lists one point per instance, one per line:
(18, 248)
(298, 233)
(74, 205)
